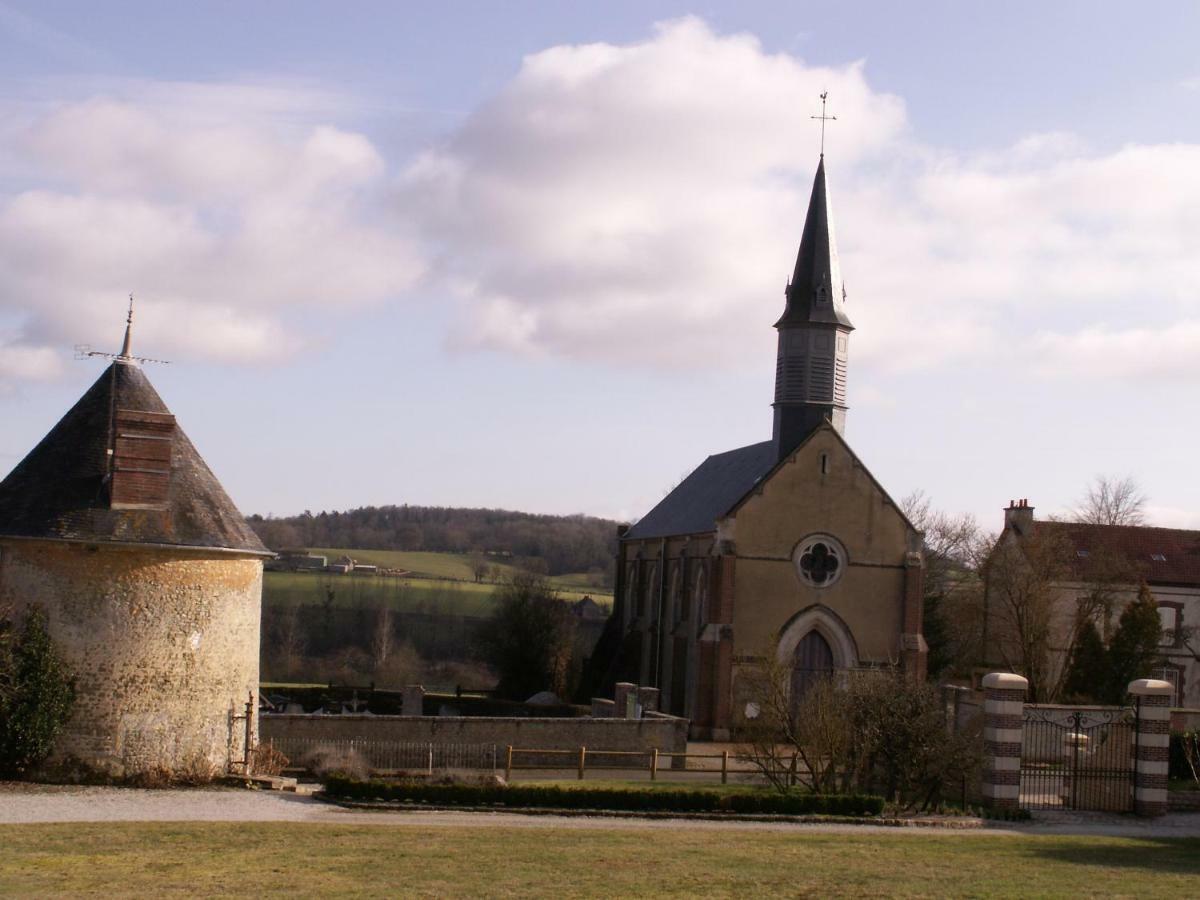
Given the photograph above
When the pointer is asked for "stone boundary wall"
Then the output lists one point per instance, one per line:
(667, 734)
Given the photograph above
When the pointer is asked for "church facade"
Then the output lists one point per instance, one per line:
(787, 547)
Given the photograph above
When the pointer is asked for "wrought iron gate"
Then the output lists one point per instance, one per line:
(1078, 758)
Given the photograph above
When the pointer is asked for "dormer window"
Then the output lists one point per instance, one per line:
(1082, 554)
(1158, 557)
(141, 459)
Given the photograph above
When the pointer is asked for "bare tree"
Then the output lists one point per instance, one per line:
(1024, 616)
(1034, 622)
(1112, 501)
(480, 567)
(955, 547)
(383, 637)
(794, 740)
(881, 731)
(290, 643)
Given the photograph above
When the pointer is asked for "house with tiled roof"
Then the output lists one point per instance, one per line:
(1114, 560)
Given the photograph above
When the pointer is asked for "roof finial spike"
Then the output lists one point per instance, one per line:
(824, 118)
(128, 328)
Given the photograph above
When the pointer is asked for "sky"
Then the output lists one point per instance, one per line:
(528, 255)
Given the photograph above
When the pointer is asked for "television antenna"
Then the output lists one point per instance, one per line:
(85, 351)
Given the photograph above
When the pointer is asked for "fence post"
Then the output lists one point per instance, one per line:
(1151, 753)
(724, 767)
(654, 764)
(508, 764)
(431, 758)
(1003, 714)
(582, 759)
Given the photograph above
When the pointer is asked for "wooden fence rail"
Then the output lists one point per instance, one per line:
(583, 754)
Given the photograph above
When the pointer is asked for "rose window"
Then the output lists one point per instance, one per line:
(820, 561)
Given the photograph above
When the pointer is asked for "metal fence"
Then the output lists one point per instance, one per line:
(387, 756)
(1077, 758)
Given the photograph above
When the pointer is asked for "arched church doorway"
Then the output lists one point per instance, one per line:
(812, 661)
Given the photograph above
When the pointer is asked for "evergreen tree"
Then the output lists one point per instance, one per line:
(1134, 648)
(36, 695)
(530, 639)
(1087, 675)
(937, 636)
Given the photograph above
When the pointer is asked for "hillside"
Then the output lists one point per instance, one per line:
(553, 545)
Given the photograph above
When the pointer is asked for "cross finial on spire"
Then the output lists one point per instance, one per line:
(128, 329)
(824, 118)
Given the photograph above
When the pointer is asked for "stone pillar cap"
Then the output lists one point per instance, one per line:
(1149, 687)
(1005, 681)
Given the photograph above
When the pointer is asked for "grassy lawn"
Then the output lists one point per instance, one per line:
(405, 594)
(303, 860)
(458, 566)
(436, 565)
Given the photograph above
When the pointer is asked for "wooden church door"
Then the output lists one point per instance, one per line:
(812, 661)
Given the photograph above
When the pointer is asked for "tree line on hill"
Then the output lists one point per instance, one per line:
(562, 544)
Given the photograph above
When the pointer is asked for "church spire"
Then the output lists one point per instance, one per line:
(814, 332)
(816, 292)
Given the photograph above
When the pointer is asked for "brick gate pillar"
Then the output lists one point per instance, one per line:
(1003, 710)
(1150, 758)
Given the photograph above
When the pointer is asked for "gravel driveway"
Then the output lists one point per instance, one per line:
(20, 804)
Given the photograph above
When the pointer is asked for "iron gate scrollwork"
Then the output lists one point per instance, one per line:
(1079, 759)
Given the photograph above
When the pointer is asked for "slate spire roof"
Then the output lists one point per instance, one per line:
(64, 489)
(816, 292)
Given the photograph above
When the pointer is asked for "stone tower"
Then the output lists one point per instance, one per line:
(150, 578)
(814, 331)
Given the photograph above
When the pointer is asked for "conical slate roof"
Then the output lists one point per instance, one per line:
(815, 293)
(63, 489)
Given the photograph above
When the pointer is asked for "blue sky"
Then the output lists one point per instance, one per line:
(528, 254)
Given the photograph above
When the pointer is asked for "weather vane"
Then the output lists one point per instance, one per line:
(85, 351)
(824, 118)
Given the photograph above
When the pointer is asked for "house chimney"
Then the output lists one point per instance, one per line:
(1019, 517)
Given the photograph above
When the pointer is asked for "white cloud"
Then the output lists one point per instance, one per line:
(641, 204)
(633, 203)
(1172, 352)
(220, 223)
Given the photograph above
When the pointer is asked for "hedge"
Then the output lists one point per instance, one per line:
(619, 799)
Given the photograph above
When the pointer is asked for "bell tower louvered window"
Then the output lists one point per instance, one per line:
(141, 463)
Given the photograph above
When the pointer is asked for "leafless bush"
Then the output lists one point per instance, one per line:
(327, 760)
(880, 732)
(268, 760)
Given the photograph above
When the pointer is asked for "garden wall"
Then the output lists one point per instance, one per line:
(665, 733)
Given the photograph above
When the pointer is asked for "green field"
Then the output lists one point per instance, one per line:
(435, 592)
(311, 860)
(456, 566)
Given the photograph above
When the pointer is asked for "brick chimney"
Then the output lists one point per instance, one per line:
(1019, 517)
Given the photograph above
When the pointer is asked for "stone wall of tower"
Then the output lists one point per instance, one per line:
(163, 644)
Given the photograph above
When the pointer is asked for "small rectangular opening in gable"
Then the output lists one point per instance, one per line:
(141, 459)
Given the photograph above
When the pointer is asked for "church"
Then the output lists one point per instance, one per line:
(788, 546)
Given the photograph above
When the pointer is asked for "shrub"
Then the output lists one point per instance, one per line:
(36, 694)
(328, 761)
(611, 799)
